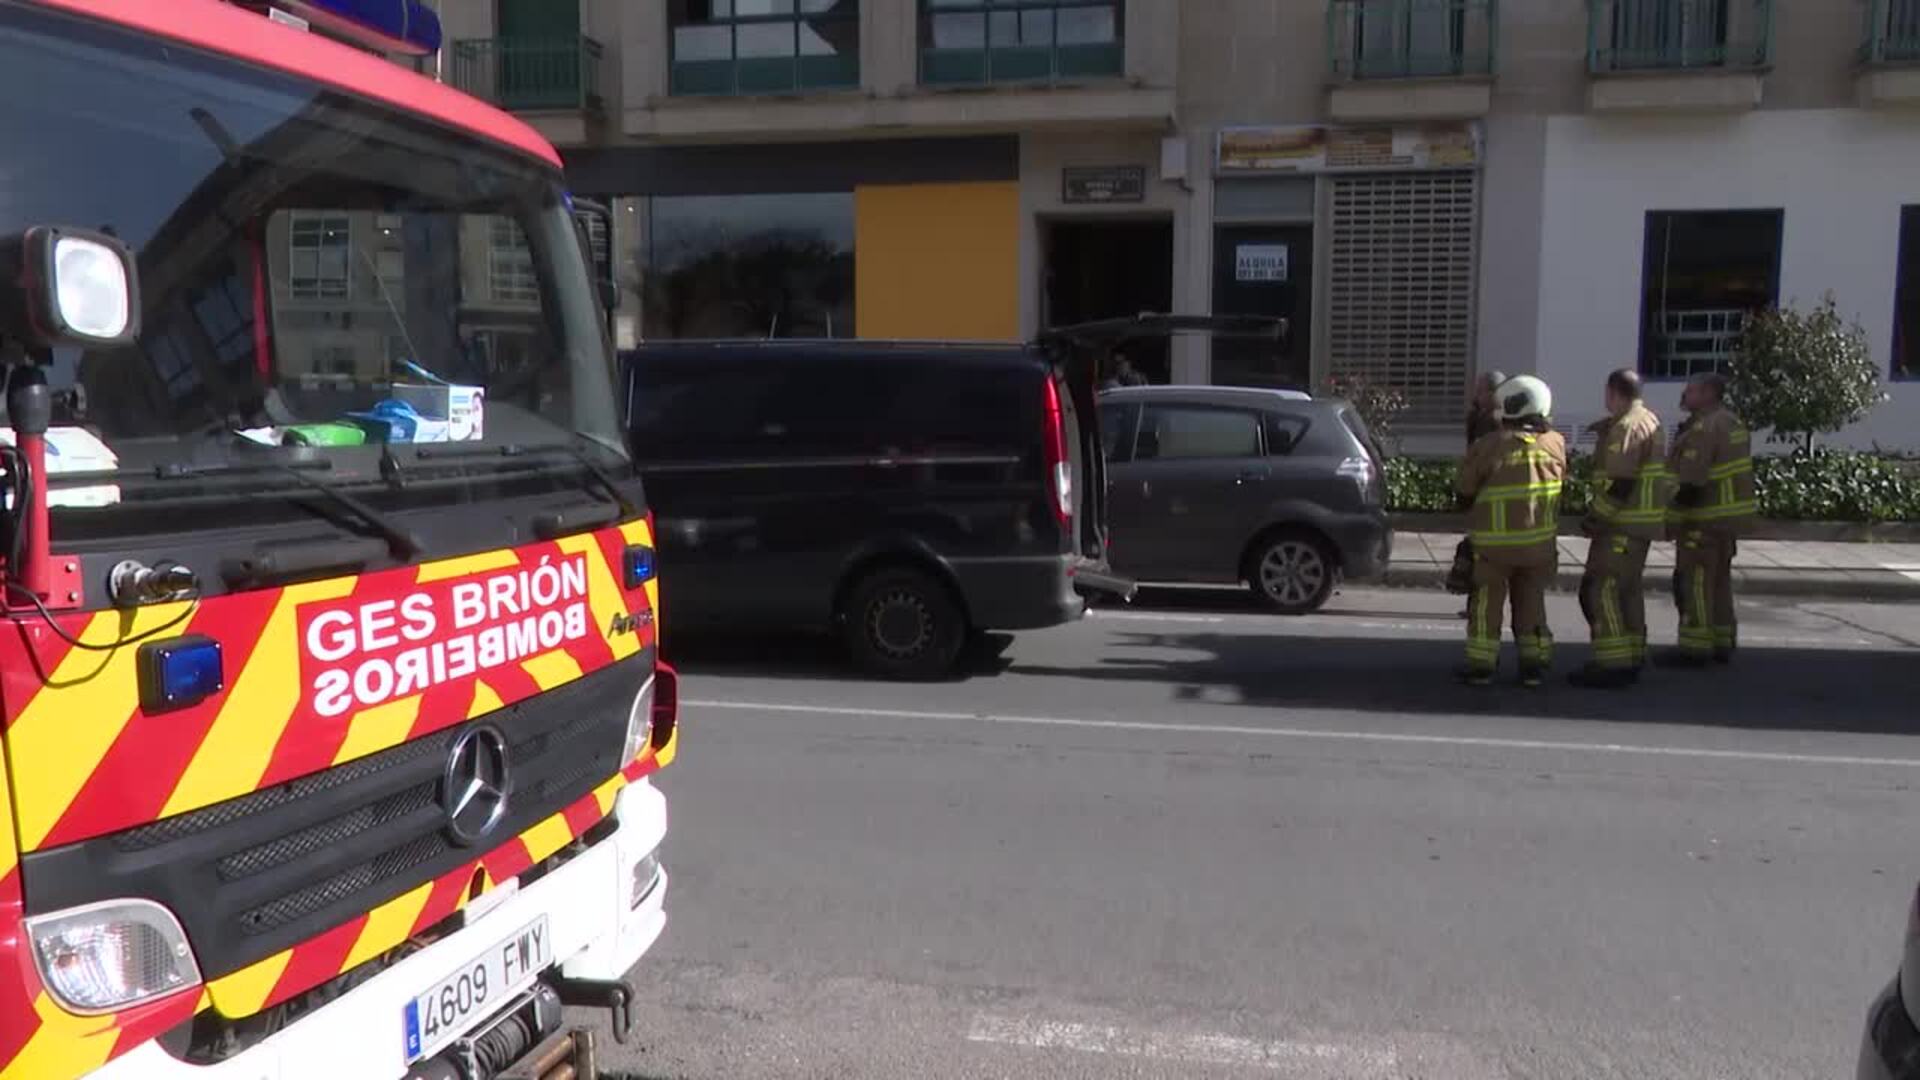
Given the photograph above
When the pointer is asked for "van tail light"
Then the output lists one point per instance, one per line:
(1059, 465)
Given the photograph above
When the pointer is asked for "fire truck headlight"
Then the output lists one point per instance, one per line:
(108, 956)
(91, 288)
(639, 723)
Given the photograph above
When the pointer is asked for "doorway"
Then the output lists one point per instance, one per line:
(1265, 270)
(1110, 269)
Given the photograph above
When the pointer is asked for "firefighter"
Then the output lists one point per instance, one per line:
(1712, 466)
(1483, 418)
(1627, 513)
(1514, 477)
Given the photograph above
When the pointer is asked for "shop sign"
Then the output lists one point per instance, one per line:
(1313, 148)
(1260, 263)
(1103, 184)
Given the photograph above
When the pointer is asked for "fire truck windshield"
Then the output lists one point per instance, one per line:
(325, 284)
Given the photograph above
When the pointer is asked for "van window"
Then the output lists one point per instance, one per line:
(1170, 432)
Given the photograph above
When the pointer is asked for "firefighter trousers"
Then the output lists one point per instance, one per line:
(1703, 588)
(1611, 597)
(1495, 585)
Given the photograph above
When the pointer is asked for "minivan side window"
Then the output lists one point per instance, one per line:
(1283, 433)
(1116, 428)
(1174, 432)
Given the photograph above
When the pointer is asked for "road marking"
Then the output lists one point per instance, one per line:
(1388, 737)
(1153, 616)
(1200, 1048)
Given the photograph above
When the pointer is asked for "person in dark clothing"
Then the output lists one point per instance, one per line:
(1483, 418)
(1122, 373)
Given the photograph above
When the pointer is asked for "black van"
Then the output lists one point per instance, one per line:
(901, 494)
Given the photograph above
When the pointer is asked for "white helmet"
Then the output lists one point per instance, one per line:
(1523, 397)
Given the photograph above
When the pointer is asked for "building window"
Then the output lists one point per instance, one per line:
(764, 46)
(510, 264)
(1704, 273)
(319, 256)
(754, 266)
(983, 41)
(1906, 298)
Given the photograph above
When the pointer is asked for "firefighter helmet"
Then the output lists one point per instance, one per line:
(1523, 397)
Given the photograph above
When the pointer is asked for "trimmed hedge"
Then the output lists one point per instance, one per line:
(1826, 485)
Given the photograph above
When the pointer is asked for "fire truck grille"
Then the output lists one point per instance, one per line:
(258, 874)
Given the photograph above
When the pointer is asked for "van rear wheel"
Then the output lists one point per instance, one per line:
(1291, 572)
(904, 624)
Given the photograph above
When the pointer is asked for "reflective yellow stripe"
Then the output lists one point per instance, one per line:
(1731, 468)
(1517, 539)
(1513, 491)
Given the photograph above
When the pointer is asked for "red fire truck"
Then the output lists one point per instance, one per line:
(329, 688)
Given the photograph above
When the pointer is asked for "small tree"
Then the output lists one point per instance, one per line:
(1801, 374)
(1380, 405)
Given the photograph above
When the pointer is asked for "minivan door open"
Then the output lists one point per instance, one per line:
(1076, 352)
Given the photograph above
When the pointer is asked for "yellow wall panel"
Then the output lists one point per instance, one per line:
(937, 261)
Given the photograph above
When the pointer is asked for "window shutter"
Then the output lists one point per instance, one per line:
(1401, 286)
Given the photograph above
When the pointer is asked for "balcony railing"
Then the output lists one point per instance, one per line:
(1412, 39)
(768, 54)
(531, 74)
(1678, 35)
(1020, 41)
(1893, 33)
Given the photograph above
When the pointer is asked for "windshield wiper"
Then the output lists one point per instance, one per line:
(402, 543)
(597, 474)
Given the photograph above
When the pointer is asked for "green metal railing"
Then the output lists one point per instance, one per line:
(1678, 35)
(1893, 32)
(1037, 52)
(1412, 39)
(544, 73)
(815, 51)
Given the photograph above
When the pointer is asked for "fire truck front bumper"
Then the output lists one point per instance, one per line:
(601, 911)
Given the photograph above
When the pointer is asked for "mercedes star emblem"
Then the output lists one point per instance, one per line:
(476, 785)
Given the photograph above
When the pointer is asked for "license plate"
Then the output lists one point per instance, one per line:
(485, 983)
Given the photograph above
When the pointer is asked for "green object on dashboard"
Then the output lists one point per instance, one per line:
(326, 435)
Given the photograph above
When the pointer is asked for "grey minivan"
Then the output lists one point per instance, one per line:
(1216, 484)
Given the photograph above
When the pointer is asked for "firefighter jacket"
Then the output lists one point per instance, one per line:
(1712, 464)
(1514, 477)
(1632, 486)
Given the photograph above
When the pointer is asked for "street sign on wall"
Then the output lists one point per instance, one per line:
(1103, 184)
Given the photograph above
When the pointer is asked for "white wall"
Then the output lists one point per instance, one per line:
(1840, 175)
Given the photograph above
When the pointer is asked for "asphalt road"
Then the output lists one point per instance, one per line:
(1196, 841)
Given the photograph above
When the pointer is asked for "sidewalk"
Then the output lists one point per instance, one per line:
(1762, 567)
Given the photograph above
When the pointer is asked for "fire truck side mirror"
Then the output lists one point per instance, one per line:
(64, 286)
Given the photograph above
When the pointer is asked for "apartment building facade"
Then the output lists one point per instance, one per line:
(1424, 188)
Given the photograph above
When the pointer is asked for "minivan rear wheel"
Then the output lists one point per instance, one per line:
(1291, 572)
(902, 623)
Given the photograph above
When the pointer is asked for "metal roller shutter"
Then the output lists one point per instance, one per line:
(1401, 286)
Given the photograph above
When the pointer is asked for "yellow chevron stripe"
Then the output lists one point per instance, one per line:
(65, 731)
(387, 926)
(547, 837)
(9, 853)
(549, 670)
(605, 793)
(379, 728)
(603, 593)
(467, 564)
(237, 749)
(664, 755)
(63, 1045)
(484, 700)
(244, 992)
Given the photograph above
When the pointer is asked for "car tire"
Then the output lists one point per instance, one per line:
(904, 624)
(1292, 572)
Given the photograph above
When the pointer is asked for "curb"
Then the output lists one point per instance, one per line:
(1815, 532)
(1856, 585)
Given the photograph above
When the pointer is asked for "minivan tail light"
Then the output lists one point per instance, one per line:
(1360, 470)
(1059, 466)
